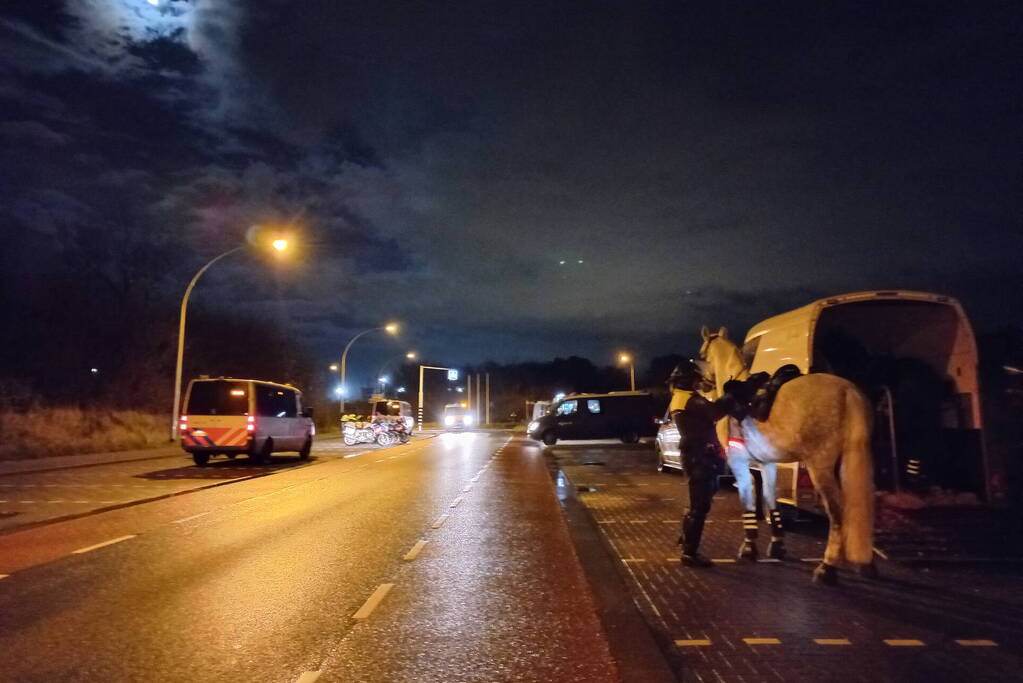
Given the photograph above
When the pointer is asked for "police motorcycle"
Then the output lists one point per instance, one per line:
(355, 430)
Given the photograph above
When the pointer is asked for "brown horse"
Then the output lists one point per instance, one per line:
(823, 421)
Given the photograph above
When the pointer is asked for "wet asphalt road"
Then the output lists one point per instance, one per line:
(274, 578)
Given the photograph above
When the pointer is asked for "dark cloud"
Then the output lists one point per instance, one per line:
(715, 163)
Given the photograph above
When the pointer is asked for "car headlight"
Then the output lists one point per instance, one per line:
(532, 426)
(449, 420)
(467, 419)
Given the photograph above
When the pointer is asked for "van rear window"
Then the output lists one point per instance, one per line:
(218, 398)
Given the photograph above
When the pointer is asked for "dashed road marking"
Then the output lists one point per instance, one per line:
(723, 560)
(977, 643)
(812, 559)
(185, 519)
(880, 553)
(761, 641)
(439, 522)
(694, 642)
(903, 642)
(102, 545)
(467, 489)
(455, 502)
(373, 600)
(633, 559)
(4, 576)
(308, 676)
(768, 559)
(414, 552)
(832, 641)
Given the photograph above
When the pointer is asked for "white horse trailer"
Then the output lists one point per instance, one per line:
(914, 355)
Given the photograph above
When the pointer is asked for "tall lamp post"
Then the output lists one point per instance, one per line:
(625, 358)
(390, 328)
(452, 375)
(278, 245)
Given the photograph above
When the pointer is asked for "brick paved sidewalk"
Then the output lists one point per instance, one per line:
(766, 621)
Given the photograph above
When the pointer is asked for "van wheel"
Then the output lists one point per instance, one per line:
(201, 459)
(304, 453)
(265, 453)
(549, 438)
(630, 437)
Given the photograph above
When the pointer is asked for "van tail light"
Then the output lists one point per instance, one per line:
(183, 425)
(251, 423)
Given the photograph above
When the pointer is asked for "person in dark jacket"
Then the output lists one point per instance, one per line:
(695, 417)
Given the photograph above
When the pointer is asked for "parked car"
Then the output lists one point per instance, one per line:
(668, 454)
(625, 415)
(228, 416)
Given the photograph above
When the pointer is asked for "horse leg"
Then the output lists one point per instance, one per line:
(738, 462)
(827, 485)
(768, 482)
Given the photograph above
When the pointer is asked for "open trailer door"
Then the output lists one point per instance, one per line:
(914, 355)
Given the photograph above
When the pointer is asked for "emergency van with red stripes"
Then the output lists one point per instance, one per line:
(227, 416)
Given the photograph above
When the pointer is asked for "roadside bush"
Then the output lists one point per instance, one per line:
(64, 431)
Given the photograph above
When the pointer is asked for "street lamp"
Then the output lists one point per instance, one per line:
(624, 358)
(390, 328)
(411, 355)
(279, 245)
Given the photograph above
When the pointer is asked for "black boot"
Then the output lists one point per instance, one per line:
(692, 532)
(748, 550)
(777, 548)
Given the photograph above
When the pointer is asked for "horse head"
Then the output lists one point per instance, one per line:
(723, 357)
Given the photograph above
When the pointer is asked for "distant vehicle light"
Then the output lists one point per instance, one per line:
(250, 423)
(532, 426)
(467, 419)
(449, 420)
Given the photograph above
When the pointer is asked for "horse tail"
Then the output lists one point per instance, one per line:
(857, 477)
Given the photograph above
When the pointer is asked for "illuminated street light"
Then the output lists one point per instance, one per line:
(411, 355)
(625, 358)
(333, 367)
(390, 328)
(279, 245)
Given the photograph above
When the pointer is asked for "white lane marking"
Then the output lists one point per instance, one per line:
(373, 600)
(103, 544)
(696, 642)
(185, 519)
(633, 559)
(455, 502)
(812, 559)
(768, 559)
(439, 522)
(308, 676)
(414, 553)
(880, 553)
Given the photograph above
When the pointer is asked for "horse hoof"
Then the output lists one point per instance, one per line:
(748, 553)
(776, 551)
(868, 571)
(825, 574)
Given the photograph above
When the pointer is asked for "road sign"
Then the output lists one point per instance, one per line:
(452, 375)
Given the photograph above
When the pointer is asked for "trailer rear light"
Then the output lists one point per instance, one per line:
(251, 423)
(184, 423)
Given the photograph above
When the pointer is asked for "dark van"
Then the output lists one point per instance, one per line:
(625, 415)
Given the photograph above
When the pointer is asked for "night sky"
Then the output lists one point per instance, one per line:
(519, 180)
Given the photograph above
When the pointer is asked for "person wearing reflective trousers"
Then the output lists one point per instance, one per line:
(695, 417)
